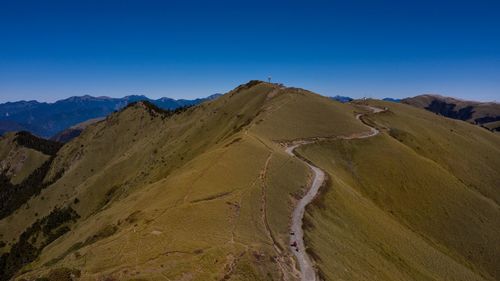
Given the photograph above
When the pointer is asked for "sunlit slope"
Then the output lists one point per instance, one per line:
(300, 114)
(129, 149)
(17, 161)
(203, 194)
(418, 202)
(469, 153)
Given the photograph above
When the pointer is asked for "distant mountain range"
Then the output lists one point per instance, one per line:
(344, 99)
(392, 99)
(48, 119)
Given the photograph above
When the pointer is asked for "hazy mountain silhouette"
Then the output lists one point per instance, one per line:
(48, 119)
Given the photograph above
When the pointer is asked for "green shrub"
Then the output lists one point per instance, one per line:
(29, 247)
(48, 147)
(14, 196)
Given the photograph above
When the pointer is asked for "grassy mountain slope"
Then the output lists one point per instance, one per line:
(485, 114)
(493, 126)
(25, 161)
(204, 194)
(418, 202)
(17, 161)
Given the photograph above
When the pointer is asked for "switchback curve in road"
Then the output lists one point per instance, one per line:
(306, 267)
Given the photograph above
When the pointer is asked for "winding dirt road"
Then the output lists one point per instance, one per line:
(307, 271)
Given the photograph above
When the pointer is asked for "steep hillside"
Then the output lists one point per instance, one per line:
(485, 114)
(420, 201)
(21, 153)
(207, 193)
(203, 193)
(24, 162)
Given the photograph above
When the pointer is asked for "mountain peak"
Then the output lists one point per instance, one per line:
(83, 98)
(154, 110)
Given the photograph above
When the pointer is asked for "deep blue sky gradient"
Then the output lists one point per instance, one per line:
(183, 49)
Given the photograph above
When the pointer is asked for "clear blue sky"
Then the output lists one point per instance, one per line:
(184, 49)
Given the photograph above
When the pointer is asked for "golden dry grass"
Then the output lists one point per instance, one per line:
(207, 194)
(417, 202)
(210, 190)
(18, 161)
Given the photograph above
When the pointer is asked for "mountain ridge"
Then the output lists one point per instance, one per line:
(484, 114)
(48, 119)
(173, 166)
(207, 193)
